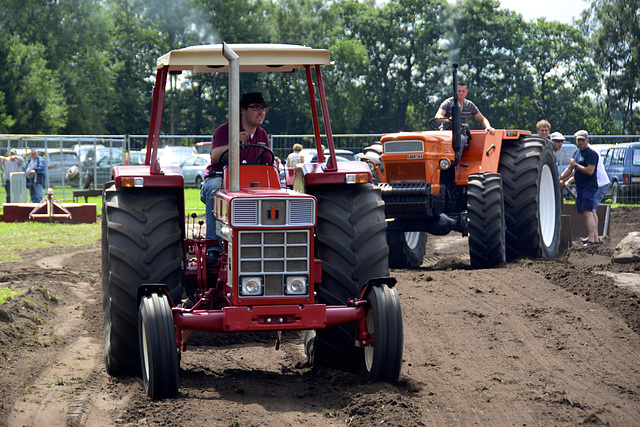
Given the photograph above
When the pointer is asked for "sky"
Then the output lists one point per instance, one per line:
(554, 10)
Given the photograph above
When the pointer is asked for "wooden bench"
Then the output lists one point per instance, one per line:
(86, 194)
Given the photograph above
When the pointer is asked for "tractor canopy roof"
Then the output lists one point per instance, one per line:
(255, 57)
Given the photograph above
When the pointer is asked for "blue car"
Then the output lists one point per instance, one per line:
(622, 163)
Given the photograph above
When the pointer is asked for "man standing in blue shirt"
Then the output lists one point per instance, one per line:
(36, 170)
(583, 165)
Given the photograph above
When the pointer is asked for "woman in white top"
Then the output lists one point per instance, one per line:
(296, 157)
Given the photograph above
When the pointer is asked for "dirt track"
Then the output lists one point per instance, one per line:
(529, 343)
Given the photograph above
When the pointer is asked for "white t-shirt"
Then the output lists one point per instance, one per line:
(293, 159)
(603, 179)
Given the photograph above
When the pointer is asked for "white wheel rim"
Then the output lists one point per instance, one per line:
(368, 351)
(145, 354)
(412, 238)
(547, 205)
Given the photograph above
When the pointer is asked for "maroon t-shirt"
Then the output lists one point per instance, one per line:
(221, 138)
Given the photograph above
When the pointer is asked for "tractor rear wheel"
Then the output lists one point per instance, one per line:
(373, 155)
(351, 242)
(406, 248)
(158, 347)
(383, 360)
(485, 220)
(141, 243)
(531, 198)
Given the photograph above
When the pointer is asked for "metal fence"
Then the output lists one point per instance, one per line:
(281, 144)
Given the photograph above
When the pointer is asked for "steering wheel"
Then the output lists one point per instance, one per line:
(434, 124)
(224, 156)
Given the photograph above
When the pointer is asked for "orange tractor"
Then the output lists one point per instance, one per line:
(501, 190)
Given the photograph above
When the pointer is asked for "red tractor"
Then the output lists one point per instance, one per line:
(312, 259)
(501, 190)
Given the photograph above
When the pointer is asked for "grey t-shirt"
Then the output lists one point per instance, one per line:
(468, 109)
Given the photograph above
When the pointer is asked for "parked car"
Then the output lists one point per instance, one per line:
(622, 163)
(135, 158)
(342, 155)
(175, 155)
(58, 162)
(108, 158)
(203, 147)
(193, 169)
(84, 150)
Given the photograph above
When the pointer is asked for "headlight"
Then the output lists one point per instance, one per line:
(296, 285)
(251, 286)
(445, 164)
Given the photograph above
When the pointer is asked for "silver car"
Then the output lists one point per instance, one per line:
(194, 168)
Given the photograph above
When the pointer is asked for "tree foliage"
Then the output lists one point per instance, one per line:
(613, 27)
(86, 66)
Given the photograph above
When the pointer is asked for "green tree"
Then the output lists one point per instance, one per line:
(614, 32)
(487, 43)
(35, 97)
(563, 75)
(403, 65)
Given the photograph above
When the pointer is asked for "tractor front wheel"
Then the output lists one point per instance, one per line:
(351, 242)
(383, 359)
(141, 243)
(158, 347)
(485, 220)
(406, 248)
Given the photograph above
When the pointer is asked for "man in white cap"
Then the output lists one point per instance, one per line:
(558, 139)
(11, 163)
(583, 166)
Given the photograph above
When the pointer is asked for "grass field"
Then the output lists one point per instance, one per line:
(18, 237)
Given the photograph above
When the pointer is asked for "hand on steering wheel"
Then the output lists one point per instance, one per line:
(224, 160)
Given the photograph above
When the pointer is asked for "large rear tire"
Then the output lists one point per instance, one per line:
(142, 243)
(531, 198)
(158, 347)
(406, 249)
(351, 242)
(373, 155)
(485, 220)
(383, 360)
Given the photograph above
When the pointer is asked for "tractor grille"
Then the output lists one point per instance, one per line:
(274, 255)
(297, 211)
(405, 172)
(404, 147)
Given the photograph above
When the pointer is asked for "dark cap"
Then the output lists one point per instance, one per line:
(253, 98)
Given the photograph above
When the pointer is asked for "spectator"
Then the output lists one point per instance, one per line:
(296, 157)
(543, 128)
(314, 159)
(583, 166)
(558, 139)
(253, 110)
(12, 163)
(36, 173)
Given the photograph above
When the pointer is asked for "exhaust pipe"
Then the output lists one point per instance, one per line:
(456, 124)
(234, 117)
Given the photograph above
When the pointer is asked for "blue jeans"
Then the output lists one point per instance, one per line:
(36, 190)
(601, 193)
(7, 188)
(209, 186)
